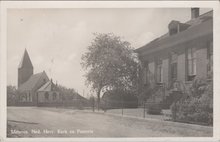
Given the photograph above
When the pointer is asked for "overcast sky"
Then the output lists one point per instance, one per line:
(56, 38)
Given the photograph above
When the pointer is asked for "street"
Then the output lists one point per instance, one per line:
(59, 122)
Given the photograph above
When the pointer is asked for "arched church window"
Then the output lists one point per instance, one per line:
(29, 96)
(26, 97)
(46, 95)
(54, 96)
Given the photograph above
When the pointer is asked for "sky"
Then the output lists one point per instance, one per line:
(56, 38)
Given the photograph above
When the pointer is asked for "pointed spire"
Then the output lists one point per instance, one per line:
(25, 61)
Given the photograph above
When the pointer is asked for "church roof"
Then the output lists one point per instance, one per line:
(49, 86)
(31, 82)
(25, 60)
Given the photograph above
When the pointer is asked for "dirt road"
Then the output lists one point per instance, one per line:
(52, 122)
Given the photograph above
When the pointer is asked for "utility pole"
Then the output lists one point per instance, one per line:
(144, 109)
(122, 105)
(51, 68)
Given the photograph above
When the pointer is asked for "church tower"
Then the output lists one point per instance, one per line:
(25, 69)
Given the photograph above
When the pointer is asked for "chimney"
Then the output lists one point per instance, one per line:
(194, 12)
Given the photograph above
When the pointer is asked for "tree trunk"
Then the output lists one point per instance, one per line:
(98, 96)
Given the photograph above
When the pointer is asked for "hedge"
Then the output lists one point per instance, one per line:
(198, 106)
(118, 99)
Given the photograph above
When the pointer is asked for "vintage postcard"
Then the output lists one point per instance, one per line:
(104, 70)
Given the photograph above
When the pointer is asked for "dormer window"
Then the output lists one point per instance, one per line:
(173, 27)
(173, 31)
(176, 27)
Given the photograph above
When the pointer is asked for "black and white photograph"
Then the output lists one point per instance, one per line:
(109, 72)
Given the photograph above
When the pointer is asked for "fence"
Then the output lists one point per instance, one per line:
(76, 103)
(155, 110)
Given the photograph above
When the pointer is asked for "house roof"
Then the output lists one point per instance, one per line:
(49, 86)
(25, 60)
(31, 82)
(199, 26)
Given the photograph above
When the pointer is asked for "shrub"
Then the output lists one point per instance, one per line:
(118, 99)
(153, 108)
(12, 95)
(198, 107)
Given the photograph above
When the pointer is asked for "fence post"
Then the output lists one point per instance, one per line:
(93, 104)
(144, 109)
(122, 111)
(174, 111)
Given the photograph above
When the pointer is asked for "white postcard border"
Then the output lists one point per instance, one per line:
(110, 4)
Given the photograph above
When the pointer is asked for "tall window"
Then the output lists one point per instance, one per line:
(210, 59)
(173, 66)
(145, 73)
(159, 70)
(191, 63)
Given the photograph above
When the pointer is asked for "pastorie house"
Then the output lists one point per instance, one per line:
(182, 54)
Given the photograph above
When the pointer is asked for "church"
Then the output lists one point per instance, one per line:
(35, 89)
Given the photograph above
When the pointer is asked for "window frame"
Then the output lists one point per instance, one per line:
(46, 95)
(29, 96)
(159, 70)
(191, 60)
(145, 73)
(173, 62)
(54, 96)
